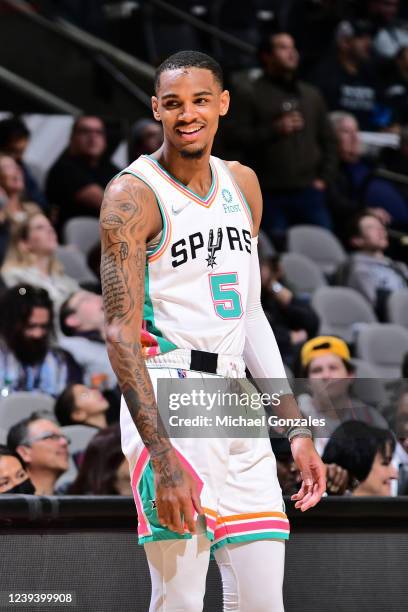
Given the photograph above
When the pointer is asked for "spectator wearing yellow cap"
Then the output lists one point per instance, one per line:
(326, 363)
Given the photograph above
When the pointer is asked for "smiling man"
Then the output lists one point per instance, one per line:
(181, 285)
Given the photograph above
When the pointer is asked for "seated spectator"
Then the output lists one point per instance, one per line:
(281, 123)
(368, 270)
(395, 87)
(76, 181)
(44, 449)
(366, 453)
(80, 405)
(326, 364)
(293, 321)
(356, 185)
(346, 77)
(28, 361)
(145, 138)
(13, 474)
(104, 469)
(82, 323)
(396, 160)
(31, 258)
(13, 207)
(391, 32)
(289, 475)
(14, 139)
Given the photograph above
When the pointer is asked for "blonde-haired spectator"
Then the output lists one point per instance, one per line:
(31, 258)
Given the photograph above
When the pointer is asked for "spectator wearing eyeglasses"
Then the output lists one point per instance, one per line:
(76, 181)
(44, 449)
(28, 359)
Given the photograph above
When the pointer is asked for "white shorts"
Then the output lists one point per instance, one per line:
(236, 477)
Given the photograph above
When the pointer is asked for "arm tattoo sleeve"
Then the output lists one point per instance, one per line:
(124, 225)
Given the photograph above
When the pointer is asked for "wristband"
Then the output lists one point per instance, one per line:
(298, 432)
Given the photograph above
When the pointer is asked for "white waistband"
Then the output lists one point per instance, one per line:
(229, 366)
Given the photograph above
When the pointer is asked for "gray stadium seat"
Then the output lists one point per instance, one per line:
(383, 345)
(83, 232)
(397, 307)
(341, 311)
(80, 436)
(265, 246)
(19, 405)
(366, 386)
(319, 244)
(75, 265)
(301, 273)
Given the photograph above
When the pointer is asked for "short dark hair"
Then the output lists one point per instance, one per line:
(16, 306)
(79, 118)
(12, 128)
(5, 451)
(354, 445)
(354, 228)
(65, 311)
(190, 59)
(18, 433)
(64, 406)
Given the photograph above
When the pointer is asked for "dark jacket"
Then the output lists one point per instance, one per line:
(282, 161)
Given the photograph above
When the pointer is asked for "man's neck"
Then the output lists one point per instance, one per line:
(378, 254)
(195, 173)
(43, 481)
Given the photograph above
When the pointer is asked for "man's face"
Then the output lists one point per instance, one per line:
(88, 311)
(31, 341)
(373, 235)
(402, 421)
(348, 140)
(283, 56)
(189, 102)
(88, 138)
(11, 176)
(12, 473)
(16, 148)
(46, 447)
(329, 377)
(360, 48)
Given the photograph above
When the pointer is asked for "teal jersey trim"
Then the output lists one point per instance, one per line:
(148, 316)
(151, 252)
(212, 187)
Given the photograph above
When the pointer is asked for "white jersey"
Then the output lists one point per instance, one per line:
(197, 269)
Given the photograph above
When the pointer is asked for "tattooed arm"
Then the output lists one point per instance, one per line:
(129, 218)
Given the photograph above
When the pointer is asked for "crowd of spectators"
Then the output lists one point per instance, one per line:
(299, 120)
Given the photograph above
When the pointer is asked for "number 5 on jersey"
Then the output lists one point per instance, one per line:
(226, 299)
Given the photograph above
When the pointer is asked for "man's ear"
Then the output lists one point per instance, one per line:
(356, 242)
(72, 321)
(224, 102)
(155, 108)
(25, 453)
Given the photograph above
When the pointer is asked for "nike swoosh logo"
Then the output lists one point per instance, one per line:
(176, 210)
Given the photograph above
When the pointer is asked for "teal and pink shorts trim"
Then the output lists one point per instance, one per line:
(220, 530)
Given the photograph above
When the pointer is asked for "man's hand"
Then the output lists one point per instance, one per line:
(312, 471)
(319, 184)
(288, 123)
(176, 494)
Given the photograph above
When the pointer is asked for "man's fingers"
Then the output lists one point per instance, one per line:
(176, 522)
(195, 498)
(187, 511)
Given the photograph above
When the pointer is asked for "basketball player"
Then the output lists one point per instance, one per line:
(181, 287)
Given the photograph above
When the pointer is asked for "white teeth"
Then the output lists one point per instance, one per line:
(190, 131)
